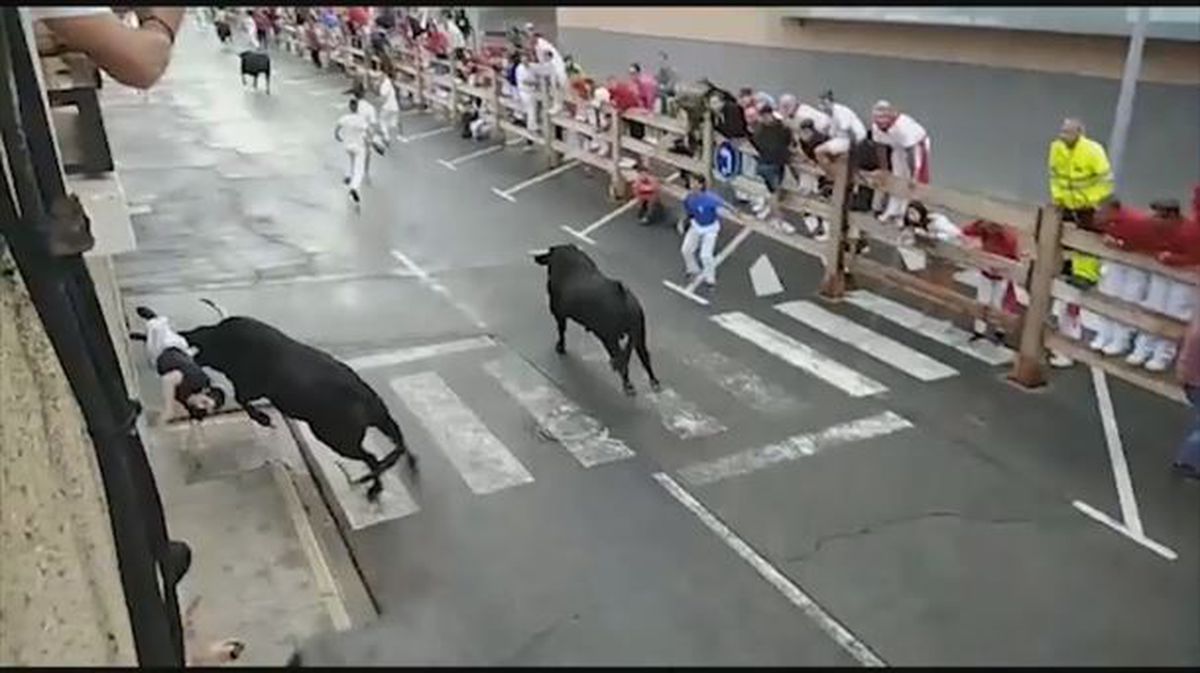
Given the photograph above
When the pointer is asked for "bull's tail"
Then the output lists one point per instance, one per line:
(384, 421)
(220, 311)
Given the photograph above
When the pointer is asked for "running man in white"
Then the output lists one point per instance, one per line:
(351, 132)
(367, 110)
(389, 109)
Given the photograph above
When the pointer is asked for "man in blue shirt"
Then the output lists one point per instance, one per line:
(701, 206)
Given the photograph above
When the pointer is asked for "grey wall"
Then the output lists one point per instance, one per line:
(990, 127)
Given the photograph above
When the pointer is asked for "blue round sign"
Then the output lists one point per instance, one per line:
(727, 161)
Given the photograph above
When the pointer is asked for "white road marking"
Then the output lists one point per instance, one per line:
(508, 193)
(394, 502)
(242, 283)
(1158, 548)
(140, 209)
(1116, 454)
(680, 416)
(799, 355)
(405, 355)
(941, 331)
(722, 255)
(763, 277)
(424, 134)
(556, 415)
(484, 463)
(410, 265)
(686, 292)
(911, 362)
(826, 622)
(619, 211)
(740, 382)
(792, 448)
(453, 163)
(583, 237)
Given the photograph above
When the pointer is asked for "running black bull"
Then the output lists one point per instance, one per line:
(255, 63)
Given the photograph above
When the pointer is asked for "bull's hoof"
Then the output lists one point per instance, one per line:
(375, 490)
(656, 386)
(629, 389)
(560, 348)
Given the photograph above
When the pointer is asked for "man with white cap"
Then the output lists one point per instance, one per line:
(553, 67)
(909, 145)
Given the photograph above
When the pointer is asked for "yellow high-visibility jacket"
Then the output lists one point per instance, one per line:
(1080, 176)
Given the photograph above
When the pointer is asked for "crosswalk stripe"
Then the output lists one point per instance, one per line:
(941, 331)
(792, 448)
(336, 474)
(680, 416)
(557, 416)
(480, 458)
(799, 355)
(739, 381)
(404, 355)
(912, 362)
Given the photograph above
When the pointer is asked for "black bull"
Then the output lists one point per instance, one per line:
(302, 383)
(603, 306)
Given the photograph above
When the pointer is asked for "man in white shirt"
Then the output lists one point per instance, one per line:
(351, 131)
(368, 113)
(909, 145)
(554, 67)
(845, 131)
(389, 110)
(527, 84)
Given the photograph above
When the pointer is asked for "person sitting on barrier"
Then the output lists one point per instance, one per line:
(846, 130)
(1165, 295)
(702, 207)
(554, 68)
(773, 141)
(647, 188)
(666, 79)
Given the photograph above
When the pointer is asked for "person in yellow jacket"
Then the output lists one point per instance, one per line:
(1080, 180)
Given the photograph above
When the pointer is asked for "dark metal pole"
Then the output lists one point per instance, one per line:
(47, 233)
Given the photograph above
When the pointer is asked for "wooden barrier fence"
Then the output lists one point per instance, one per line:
(1042, 235)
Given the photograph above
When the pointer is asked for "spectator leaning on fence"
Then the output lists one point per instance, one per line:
(908, 143)
(1183, 249)
(846, 131)
(666, 83)
(1164, 294)
(1132, 230)
(773, 141)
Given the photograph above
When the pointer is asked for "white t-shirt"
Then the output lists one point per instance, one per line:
(387, 92)
(353, 128)
(526, 78)
(368, 112)
(904, 133)
(846, 124)
(160, 337)
(819, 119)
(455, 36)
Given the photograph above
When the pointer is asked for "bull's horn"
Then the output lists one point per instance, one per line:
(541, 251)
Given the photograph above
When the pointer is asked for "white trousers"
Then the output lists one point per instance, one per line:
(357, 167)
(1123, 282)
(704, 239)
(989, 292)
(529, 105)
(389, 121)
(1170, 297)
(895, 206)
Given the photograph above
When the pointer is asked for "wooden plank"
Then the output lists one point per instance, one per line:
(509, 127)
(1163, 383)
(1020, 216)
(658, 121)
(944, 297)
(575, 153)
(1126, 312)
(1016, 270)
(799, 161)
(582, 128)
(805, 204)
(660, 153)
(1086, 241)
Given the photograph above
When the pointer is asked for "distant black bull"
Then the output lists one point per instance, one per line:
(603, 306)
(255, 63)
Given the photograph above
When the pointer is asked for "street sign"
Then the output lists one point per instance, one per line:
(727, 161)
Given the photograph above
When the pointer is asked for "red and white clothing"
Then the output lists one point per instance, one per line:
(904, 135)
(555, 68)
(993, 288)
(845, 129)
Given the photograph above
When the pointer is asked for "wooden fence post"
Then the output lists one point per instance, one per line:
(497, 87)
(419, 69)
(706, 147)
(1028, 366)
(552, 157)
(617, 187)
(452, 109)
(833, 285)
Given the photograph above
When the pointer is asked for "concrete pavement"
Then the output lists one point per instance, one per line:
(819, 535)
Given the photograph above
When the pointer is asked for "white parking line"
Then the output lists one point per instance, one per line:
(405, 355)
(911, 362)
(452, 164)
(799, 355)
(792, 448)
(410, 265)
(690, 290)
(508, 193)
(1116, 454)
(556, 415)
(1160, 549)
(825, 621)
(484, 463)
(424, 134)
(583, 235)
(941, 331)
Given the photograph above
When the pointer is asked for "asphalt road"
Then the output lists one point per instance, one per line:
(818, 484)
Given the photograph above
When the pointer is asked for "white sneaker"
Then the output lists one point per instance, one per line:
(1059, 360)
(1098, 343)
(1116, 347)
(1138, 357)
(784, 226)
(1159, 363)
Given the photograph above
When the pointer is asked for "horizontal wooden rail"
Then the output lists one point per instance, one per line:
(1019, 216)
(1163, 384)
(1092, 244)
(1121, 311)
(662, 122)
(1016, 270)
